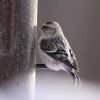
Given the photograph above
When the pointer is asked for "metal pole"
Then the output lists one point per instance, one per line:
(18, 22)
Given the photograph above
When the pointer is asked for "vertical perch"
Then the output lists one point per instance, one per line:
(18, 21)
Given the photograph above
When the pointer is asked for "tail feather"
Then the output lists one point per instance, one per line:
(74, 76)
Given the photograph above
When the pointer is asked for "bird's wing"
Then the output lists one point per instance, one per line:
(63, 55)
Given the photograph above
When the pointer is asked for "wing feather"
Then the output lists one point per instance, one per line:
(60, 50)
(61, 55)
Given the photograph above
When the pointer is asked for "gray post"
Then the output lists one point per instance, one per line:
(18, 21)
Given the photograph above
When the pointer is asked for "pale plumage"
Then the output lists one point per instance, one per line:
(55, 50)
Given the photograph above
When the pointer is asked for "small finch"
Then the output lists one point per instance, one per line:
(55, 51)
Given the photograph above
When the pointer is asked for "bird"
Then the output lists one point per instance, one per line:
(55, 51)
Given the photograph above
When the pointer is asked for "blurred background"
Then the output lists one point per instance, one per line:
(80, 21)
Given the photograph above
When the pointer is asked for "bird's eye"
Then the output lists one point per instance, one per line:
(45, 27)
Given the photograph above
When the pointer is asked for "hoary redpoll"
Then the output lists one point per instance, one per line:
(55, 51)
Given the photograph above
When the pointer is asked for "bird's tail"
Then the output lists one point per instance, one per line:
(75, 77)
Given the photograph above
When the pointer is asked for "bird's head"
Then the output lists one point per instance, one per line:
(50, 28)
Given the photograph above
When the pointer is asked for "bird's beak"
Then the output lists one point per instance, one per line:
(39, 28)
(43, 28)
